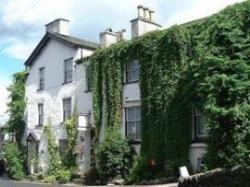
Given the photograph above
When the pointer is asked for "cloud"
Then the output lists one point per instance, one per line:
(3, 100)
(197, 9)
(21, 21)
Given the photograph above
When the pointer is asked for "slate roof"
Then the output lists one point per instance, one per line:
(68, 40)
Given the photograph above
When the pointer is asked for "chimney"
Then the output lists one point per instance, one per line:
(146, 13)
(60, 26)
(140, 11)
(151, 15)
(120, 35)
(108, 37)
(145, 22)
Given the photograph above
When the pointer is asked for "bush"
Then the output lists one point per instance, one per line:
(63, 176)
(50, 179)
(113, 157)
(237, 177)
(91, 177)
(14, 161)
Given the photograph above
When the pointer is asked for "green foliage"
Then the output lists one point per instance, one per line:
(50, 179)
(63, 176)
(14, 161)
(113, 156)
(71, 129)
(203, 64)
(16, 106)
(55, 161)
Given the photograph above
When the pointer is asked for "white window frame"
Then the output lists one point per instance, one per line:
(40, 114)
(132, 71)
(134, 121)
(41, 78)
(199, 122)
(88, 78)
(67, 108)
(68, 73)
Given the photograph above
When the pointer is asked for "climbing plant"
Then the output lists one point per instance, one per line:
(55, 161)
(16, 106)
(71, 128)
(202, 64)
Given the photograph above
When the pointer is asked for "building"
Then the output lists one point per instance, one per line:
(57, 86)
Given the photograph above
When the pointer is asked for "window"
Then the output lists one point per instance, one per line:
(68, 68)
(63, 146)
(88, 78)
(200, 164)
(41, 78)
(132, 73)
(66, 109)
(200, 124)
(133, 123)
(40, 114)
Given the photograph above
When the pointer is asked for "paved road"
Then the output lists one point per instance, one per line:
(7, 183)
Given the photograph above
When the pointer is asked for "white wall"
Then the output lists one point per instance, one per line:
(52, 58)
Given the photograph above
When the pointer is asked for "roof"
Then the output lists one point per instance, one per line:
(68, 40)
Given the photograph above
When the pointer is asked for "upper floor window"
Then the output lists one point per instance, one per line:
(40, 114)
(133, 123)
(88, 78)
(41, 78)
(200, 124)
(132, 71)
(68, 70)
(66, 109)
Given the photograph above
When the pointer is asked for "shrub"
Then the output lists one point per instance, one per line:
(50, 179)
(63, 176)
(113, 157)
(237, 177)
(91, 177)
(14, 161)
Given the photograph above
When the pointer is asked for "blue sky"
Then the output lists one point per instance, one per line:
(22, 24)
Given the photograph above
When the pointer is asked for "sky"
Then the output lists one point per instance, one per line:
(22, 24)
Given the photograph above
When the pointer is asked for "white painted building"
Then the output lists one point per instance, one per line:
(56, 86)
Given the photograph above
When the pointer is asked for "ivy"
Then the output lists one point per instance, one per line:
(71, 129)
(55, 161)
(16, 106)
(202, 64)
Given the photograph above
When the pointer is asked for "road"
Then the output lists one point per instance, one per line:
(7, 183)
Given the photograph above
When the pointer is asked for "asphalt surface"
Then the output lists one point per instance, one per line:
(8, 183)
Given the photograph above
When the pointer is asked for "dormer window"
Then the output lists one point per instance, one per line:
(68, 70)
(41, 78)
(132, 71)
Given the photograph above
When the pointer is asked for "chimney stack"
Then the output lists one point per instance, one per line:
(140, 11)
(151, 15)
(145, 22)
(60, 26)
(146, 13)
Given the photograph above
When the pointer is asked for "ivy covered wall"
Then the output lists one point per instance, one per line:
(204, 64)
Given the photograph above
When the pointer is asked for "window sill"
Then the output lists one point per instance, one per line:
(134, 142)
(40, 90)
(64, 83)
(87, 91)
(39, 126)
(131, 82)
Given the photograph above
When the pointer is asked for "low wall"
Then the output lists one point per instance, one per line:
(236, 177)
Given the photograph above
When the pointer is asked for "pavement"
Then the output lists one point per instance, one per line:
(8, 183)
